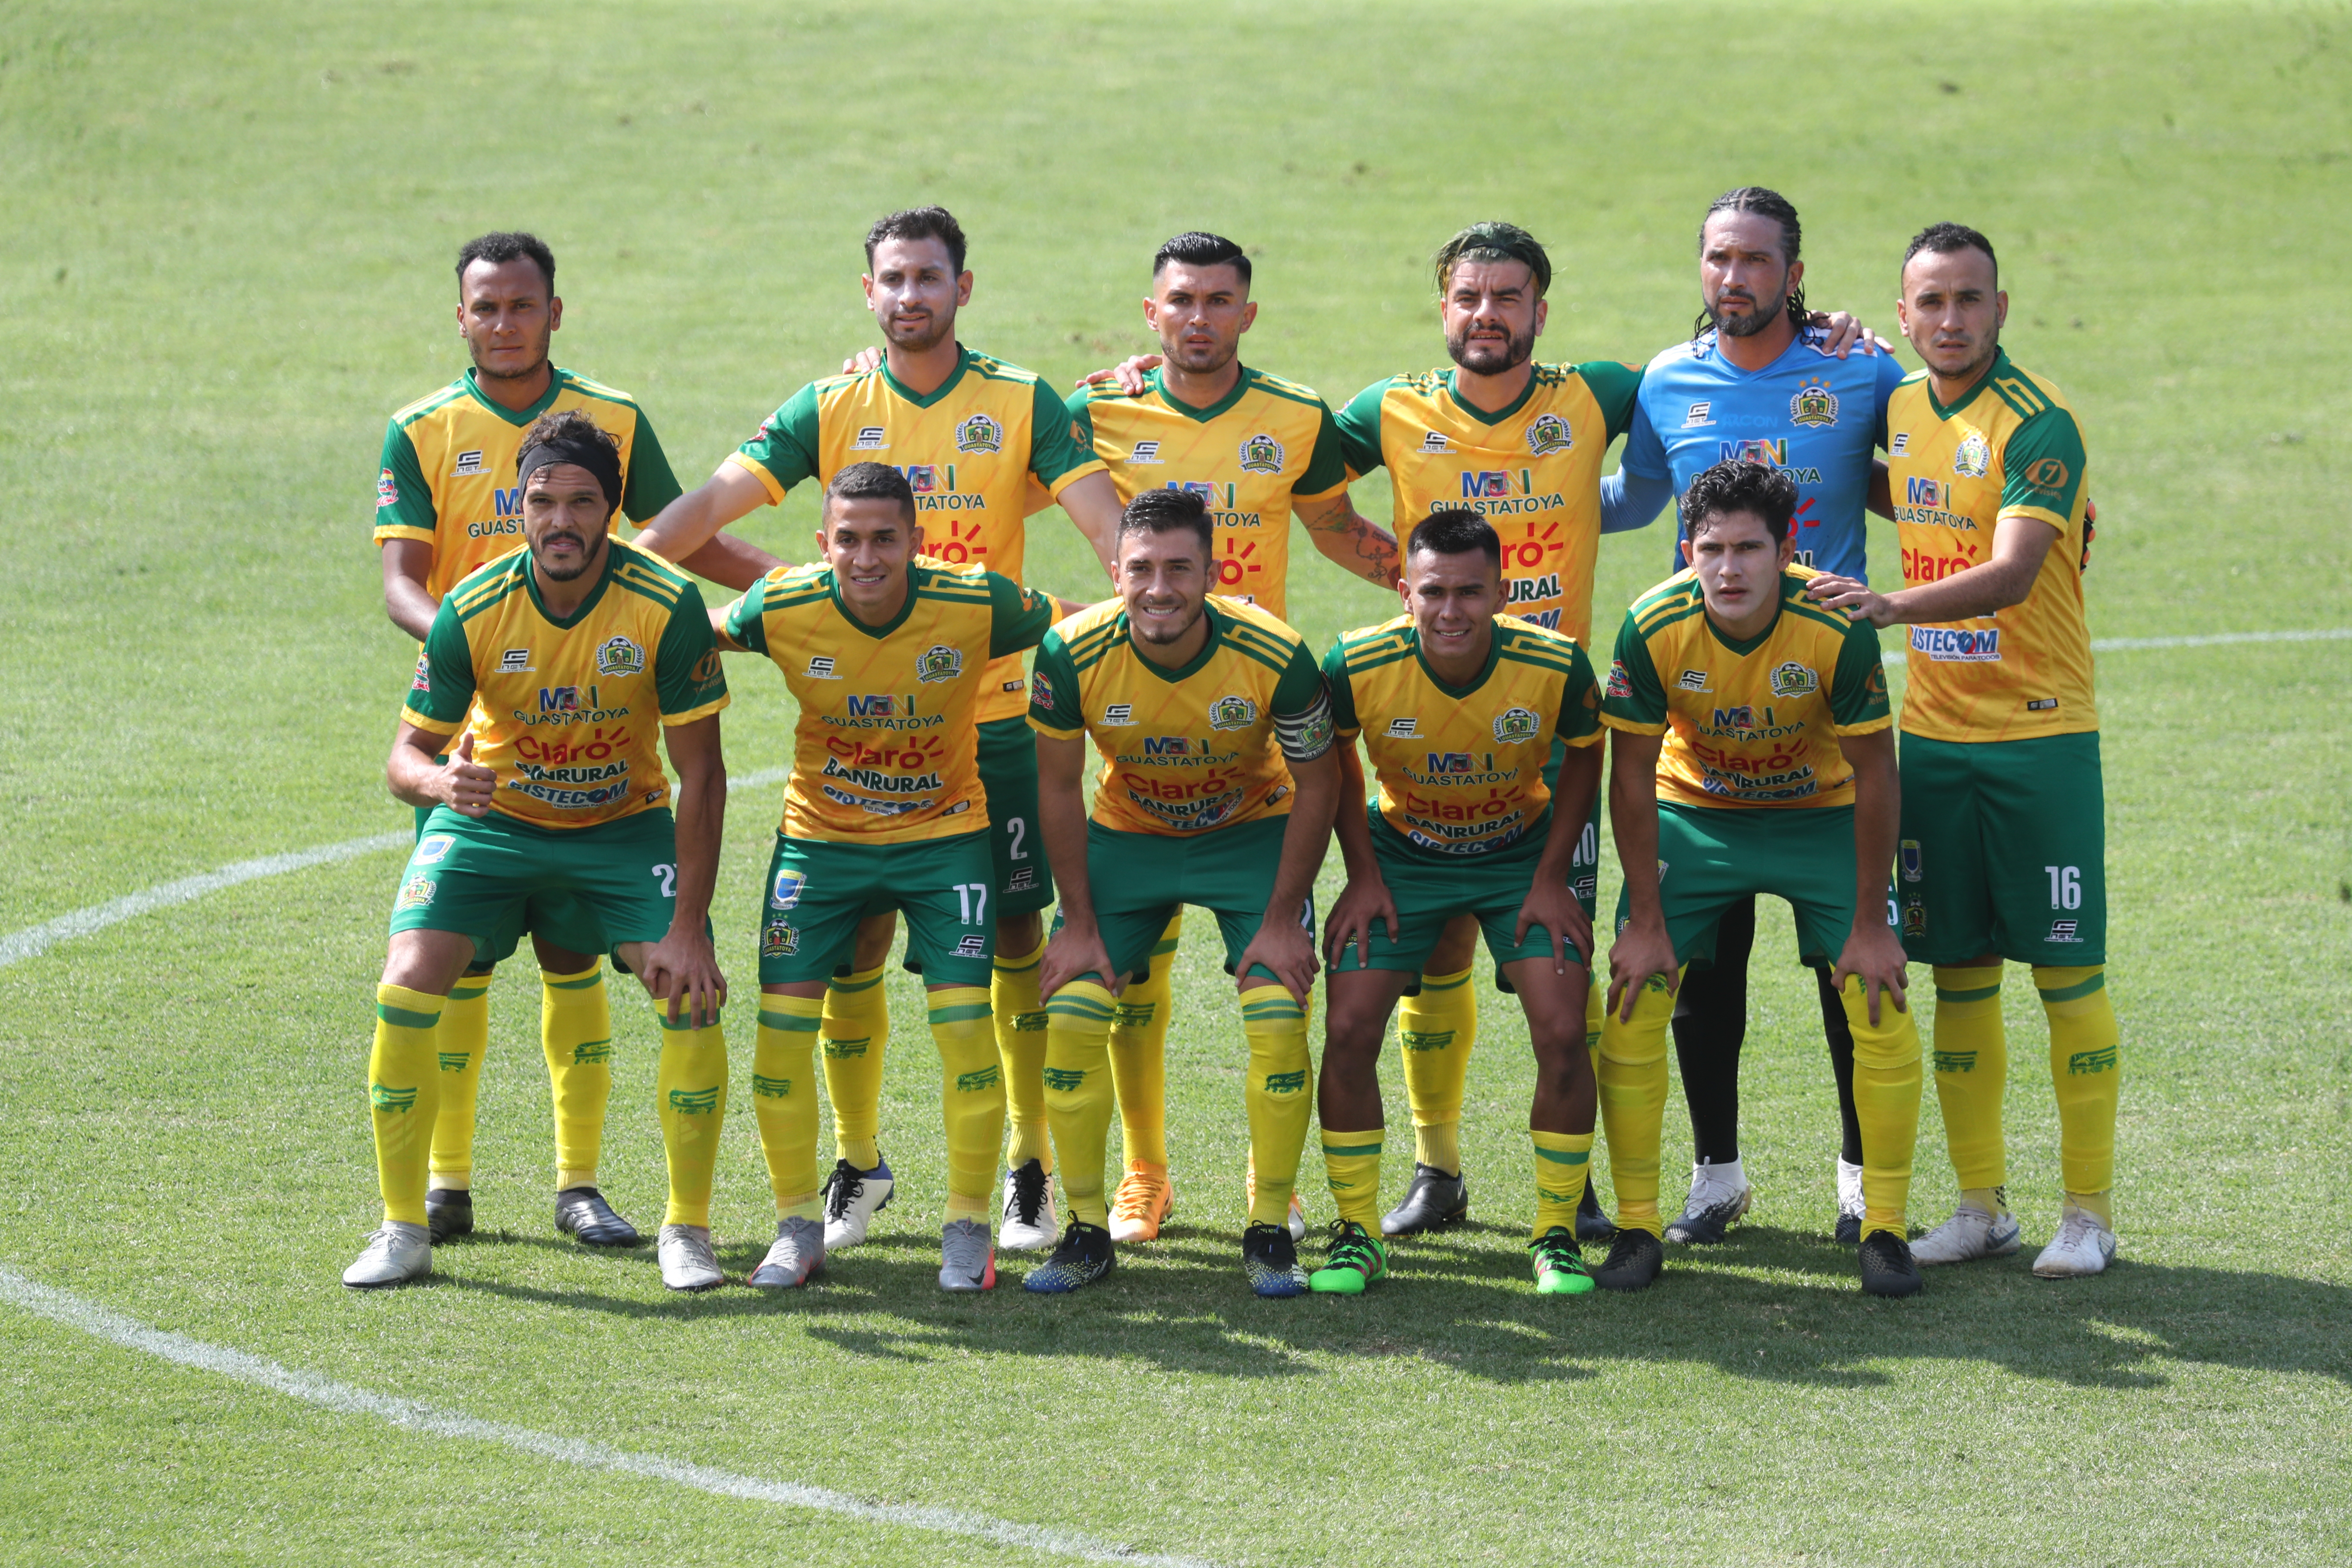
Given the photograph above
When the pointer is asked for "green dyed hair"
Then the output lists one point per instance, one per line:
(1493, 241)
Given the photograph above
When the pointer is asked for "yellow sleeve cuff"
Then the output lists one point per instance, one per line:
(753, 467)
(403, 531)
(1581, 741)
(1091, 466)
(430, 726)
(691, 715)
(1630, 728)
(1051, 732)
(1868, 727)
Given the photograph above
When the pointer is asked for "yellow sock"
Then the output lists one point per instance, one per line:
(1139, 1053)
(2085, 1070)
(971, 1097)
(1633, 1104)
(855, 1028)
(784, 1101)
(1596, 1002)
(1437, 1030)
(690, 1091)
(1280, 1097)
(1021, 1048)
(404, 1092)
(575, 1034)
(1351, 1164)
(1887, 1104)
(1078, 1094)
(459, 1043)
(1971, 1060)
(1563, 1160)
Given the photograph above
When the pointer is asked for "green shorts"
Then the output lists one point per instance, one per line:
(817, 891)
(502, 943)
(2004, 850)
(1140, 879)
(1713, 856)
(1430, 891)
(1008, 773)
(587, 888)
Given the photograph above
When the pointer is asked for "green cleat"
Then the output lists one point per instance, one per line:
(1354, 1260)
(1558, 1264)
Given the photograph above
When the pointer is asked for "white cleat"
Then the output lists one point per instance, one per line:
(1027, 1223)
(2082, 1247)
(798, 1254)
(1710, 1211)
(1850, 1204)
(1968, 1235)
(397, 1253)
(686, 1261)
(852, 1199)
(1297, 1221)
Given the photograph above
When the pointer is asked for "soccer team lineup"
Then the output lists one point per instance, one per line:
(1016, 796)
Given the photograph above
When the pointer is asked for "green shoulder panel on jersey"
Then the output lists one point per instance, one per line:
(648, 576)
(1257, 643)
(440, 398)
(1536, 645)
(1369, 648)
(1087, 646)
(1616, 386)
(1676, 599)
(990, 368)
(1280, 387)
(794, 586)
(949, 585)
(2023, 391)
(598, 390)
(487, 586)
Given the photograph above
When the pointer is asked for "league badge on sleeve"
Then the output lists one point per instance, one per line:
(387, 490)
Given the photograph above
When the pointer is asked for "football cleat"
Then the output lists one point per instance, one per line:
(1558, 1264)
(1145, 1199)
(1084, 1255)
(1593, 1221)
(582, 1214)
(967, 1257)
(1353, 1259)
(1634, 1260)
(2083, 1247)
(852, 1199)
(1027, 1224)
(1850, 1206)
(797, 1254)
(1710, 1212)
(1297, 1220)
(686, 1261)
(1968, 1235)
(397, 1253)
(1270, 1259)
(1433, 1201)
(1887, 1266)
(449, 1213)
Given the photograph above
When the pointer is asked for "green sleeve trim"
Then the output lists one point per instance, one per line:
(1858, 690)
(1054, 687)
(652, 486)
(788, 446)
(1616, 387)
(747, 618)
(1053, 450)
(687, 674)
(1343, 695)
(411, 505)
(1359, 427)
(447, 667)
(1301, 685)
(1326, 467)
(1639, 697)
(1017, 616)
(2042, 464)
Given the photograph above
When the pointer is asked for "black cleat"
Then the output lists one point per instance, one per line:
(1435, 1201)
(582, 1214)
(1270, 1260)
(1632, 1263)
(1849, 1230)
(1887, 1266)
(1593, 1225)
(449, 1213)
(1084, 1255)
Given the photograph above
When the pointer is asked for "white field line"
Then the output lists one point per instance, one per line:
(2218, 639)
(74, 1311)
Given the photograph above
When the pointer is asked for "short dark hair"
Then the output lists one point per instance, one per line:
(1768, 203)
(1455, 530)
(567, 424)
(1165, 510)
(507, 245)
(872, 482)
(1764, 493)
(919, 223)
(1943, 238)
(1198, 249)
(1493, 241)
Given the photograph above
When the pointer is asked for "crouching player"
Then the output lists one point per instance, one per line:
(1755, 753)
(1458, 710)
(1205, 713)
(888, 657)
(553, 812)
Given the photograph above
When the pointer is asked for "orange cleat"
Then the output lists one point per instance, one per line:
(1145, 1197)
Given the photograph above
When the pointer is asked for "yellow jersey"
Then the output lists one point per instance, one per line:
(2008, 447)
(887, 748)
(449, 476)
(1195, 748)
(568, 712)
(1461, 768)
(1752, 723)
(1533, 470)
(969, 450)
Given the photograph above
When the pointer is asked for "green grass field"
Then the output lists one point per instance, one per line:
(227, 259)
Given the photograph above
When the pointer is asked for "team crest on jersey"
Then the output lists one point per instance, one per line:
(387, 490)
(1793, 679)
(870, 438)
(1814, 403)
(979, 433)
(1516, 727)
(940, 662)
(787, 890)
(1548, 433)
(468, 464)
(1231, 711)
(1261, 454)
(1145, 452)
(619, 655)
(1972, 459)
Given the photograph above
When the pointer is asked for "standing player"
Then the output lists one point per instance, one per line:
(1204, 716)
(1755, 754)
(560, 663)
(968, 432)
(2004, 831)
(446, 503)
(1464, 715)
(891, 660)
(1758, 383)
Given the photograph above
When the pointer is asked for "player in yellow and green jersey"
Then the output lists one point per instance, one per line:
(1755, 754)
(970, 433)
(1465, 716)
(447, 502)
(2004, 835)
(891, 657)
(1216, 790)
(569, 666)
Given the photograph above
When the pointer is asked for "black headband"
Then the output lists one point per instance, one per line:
(597, 457)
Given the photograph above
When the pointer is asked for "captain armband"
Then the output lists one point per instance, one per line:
(1305, 736)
